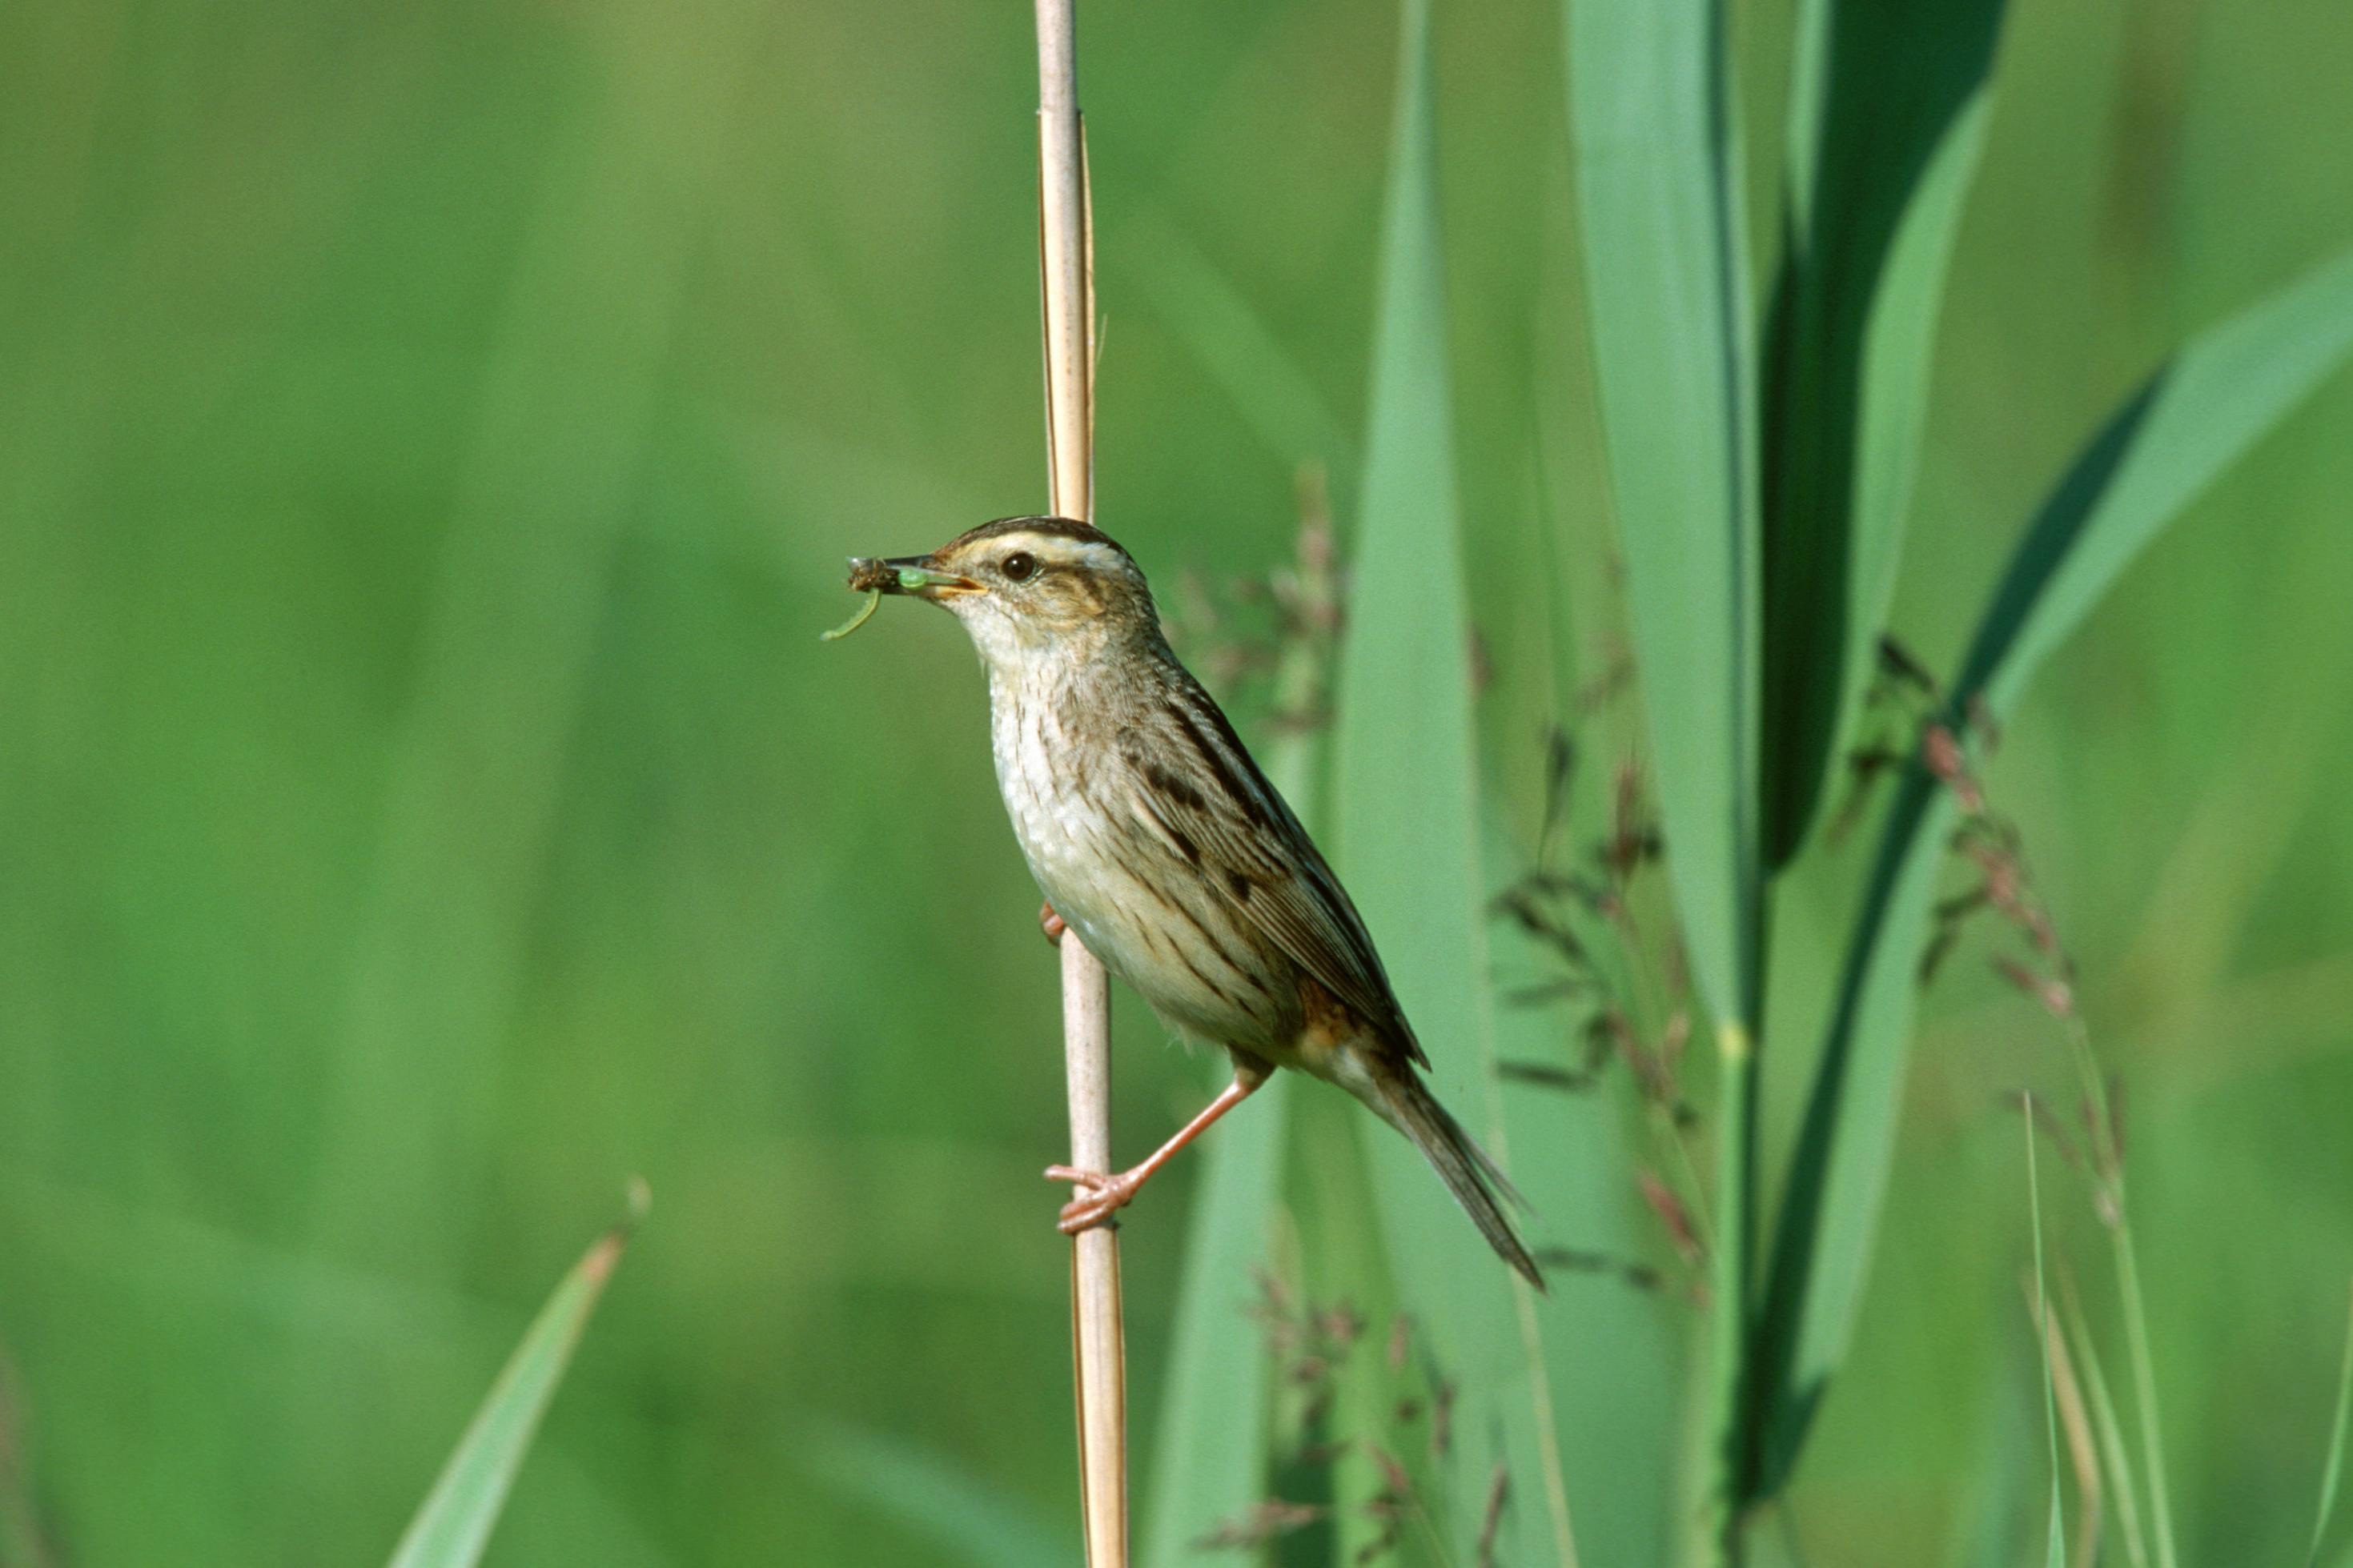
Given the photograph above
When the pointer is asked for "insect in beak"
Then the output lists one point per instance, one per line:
(913, 575)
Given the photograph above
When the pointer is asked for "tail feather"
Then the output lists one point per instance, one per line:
(1477, 1182)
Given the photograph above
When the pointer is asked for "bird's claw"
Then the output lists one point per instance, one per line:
(1101, 1196)
(1050, 923)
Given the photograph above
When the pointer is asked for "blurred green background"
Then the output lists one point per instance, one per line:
(429, 439)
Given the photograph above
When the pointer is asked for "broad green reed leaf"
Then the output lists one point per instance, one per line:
(454, 1523)
(1657, 177)
(2188, 423)
(2332, 1465)
(1659, 181)
(2194, 418)
(1888, 115)
(1406, 835)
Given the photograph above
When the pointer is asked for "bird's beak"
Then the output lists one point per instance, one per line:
(913, 576)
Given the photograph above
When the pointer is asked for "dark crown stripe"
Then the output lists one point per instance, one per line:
(1051, 526)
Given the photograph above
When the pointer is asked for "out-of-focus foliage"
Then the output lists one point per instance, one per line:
(429, 438)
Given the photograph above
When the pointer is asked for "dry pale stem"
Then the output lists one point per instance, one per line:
(1065, 249)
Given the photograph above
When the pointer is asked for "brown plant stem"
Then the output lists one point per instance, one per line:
(1066, 269)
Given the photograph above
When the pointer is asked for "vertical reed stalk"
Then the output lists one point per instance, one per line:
(1066, 266)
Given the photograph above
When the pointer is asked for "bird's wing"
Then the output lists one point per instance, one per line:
(1201, 782)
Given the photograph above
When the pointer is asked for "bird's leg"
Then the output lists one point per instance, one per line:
(1050, 923)
(1100, 1195)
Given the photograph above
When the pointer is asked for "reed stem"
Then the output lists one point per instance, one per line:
(1066, 270)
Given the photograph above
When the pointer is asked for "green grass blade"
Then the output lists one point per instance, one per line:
(455, 1523)
(1888, 115)
(2332, 1467)
(1658, 183)
(1407, 838)
(2208, 405)
(2055, 1550)
(2190, 422)
(2133, 1303)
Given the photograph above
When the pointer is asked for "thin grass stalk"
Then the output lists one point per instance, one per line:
(2056, 1553)
(1729, 1262)
(1739, 1039)
(2075, 1424)
(2110, 1160)
(2143, 1369)
(1066, 270)
(2114, 1455)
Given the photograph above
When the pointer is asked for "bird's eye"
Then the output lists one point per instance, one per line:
(1019, 566)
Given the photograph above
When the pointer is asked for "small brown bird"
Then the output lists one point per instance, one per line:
(1157, 838)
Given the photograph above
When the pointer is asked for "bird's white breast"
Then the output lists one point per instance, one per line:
(1120, 882)
(1062, 830)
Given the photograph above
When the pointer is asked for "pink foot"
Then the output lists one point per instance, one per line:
(1101, 1196)
(1050, 923)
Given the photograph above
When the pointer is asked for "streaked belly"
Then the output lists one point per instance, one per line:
(1142, 908)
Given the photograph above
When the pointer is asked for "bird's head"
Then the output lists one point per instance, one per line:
(1027, 588)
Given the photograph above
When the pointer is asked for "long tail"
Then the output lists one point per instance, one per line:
(1477, 1182)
